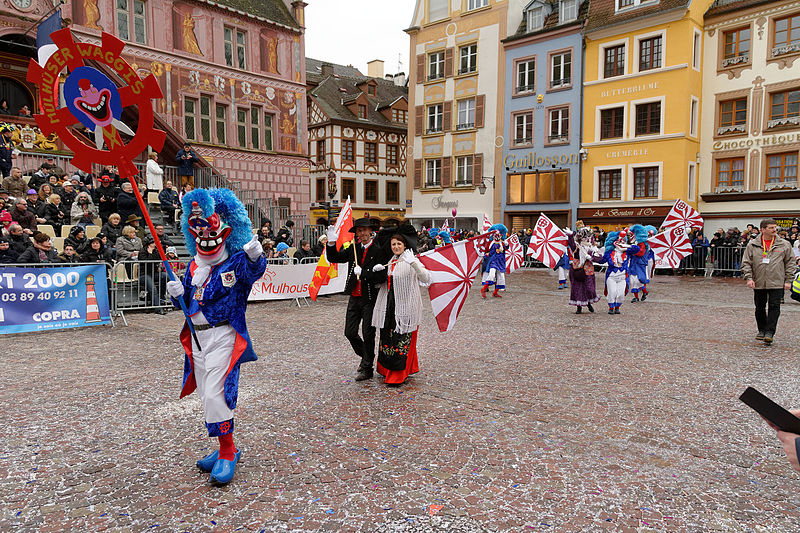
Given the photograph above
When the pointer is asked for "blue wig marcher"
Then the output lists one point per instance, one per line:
(227, 261)
(616, 257)
(637, 269)
(495, 273)
(651, 260)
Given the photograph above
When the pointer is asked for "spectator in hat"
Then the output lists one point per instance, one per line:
(126, 202)
(319, 248)
(7, 254)
(105, 196)
(14, 183)
(186, 158)
(112, 228)
(5, 221)
(169, 202)
(172, 256)
(285, 234)
(133, 221)
(23, 217)
(35, 205)
(41, 252)
(128, 247)
(268, 245)
(4, 195)
(77, 185)
(83, 211)
(77, 239)
(282, 251)
(68, 196)
(18, 239)
(111, 172)
(55, 213)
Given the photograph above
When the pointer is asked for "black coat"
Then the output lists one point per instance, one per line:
(8, 256)
(127, 205)
(374, 256)
(56, 215)
(19, 243)
(110, 205)
(112, 232)
(31, 255)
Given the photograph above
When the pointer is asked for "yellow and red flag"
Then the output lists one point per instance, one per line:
(322, 275)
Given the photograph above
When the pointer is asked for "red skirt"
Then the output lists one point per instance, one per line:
(396, 377)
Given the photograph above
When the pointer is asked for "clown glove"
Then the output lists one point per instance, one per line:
(175, 288)
(253, 249)
(332, 234)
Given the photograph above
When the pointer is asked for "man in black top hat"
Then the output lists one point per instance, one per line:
(362, 292)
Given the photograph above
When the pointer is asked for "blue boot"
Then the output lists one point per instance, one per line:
(223, 470)
(207, 463)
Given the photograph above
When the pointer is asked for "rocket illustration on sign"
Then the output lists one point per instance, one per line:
(94, 100)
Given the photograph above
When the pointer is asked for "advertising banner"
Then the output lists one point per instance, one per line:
(41, 299)
(283, 282)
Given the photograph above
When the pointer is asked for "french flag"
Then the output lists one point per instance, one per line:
(44, 43)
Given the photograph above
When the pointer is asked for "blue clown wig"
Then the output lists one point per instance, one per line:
(445, 236)
(611, 239)
(230, 211)
(651, 228)
(499, 227)
(640, 232)
(433, 233)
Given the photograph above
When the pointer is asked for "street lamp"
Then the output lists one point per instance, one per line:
(482, 186)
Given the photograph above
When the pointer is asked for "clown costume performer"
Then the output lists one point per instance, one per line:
(651, 261)
(495, 273)
(227, 261)
(637, 262)
(563, 269)
(582, 253)
(617, 272)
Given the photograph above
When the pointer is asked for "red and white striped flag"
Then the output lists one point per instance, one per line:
(682, 215)
(343, 224)
(548, 243)
(670, 246)
(445, 227)
(486, 223)
(513, 254)
(453, 269)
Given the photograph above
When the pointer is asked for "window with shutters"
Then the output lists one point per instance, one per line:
(370, 152)
(349, 151)
(610, 184)
(371, 191)
(730, 174)
(526, 75)
(349, 189)
(612, 123)
(391, 155)
(645, 182)
(321, 151)
(190, 118)
(561, 70)
(436, 65)
(435, 119)
(464, 169)
(433, 173)
(523, 128)
(468, 59)
(466, 114)
(392, 192)
(614, 61)
(648, 118)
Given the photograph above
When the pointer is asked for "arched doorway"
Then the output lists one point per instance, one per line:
(16, 94)
(17, 51)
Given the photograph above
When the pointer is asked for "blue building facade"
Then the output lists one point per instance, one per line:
(542, 123)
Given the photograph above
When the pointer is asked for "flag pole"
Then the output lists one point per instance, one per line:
(124, 168)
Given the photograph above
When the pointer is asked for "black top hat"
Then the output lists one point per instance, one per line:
(406, 230)
(365, 223)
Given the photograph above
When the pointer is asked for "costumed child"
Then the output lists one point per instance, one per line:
(637, 261)
(651, 260)
(227, 261)
(563, 268)
(617, 272)
(495, 273)
(582, 253)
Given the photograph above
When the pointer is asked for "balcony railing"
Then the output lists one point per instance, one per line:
(784, 121)
(734, 128)
(778, 185)
(555, 84)
(432, 183)
(523, 140)
(526, 88)
(435, 129)
(465, 126)
(742, 58)
(785, 49)
(558, 138)
(467, 70)
(435, 76)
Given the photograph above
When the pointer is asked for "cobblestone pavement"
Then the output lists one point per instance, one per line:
(526, 417)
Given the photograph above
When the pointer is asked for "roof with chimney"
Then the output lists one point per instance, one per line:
(551, 21)
(314, 70)
(335, 92)
(602, 13)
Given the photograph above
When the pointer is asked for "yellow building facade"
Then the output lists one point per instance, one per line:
(641, 110)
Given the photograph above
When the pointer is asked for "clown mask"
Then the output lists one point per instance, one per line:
(209, 234)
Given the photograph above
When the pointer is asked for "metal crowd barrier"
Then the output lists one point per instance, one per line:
(713, 261)
(138, 285)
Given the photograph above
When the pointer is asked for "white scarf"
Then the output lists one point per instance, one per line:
(204, 267)
(407, 298)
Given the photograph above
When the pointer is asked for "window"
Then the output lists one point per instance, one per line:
(787, 35)
(349, 188)
(464, 166)
(392, 192)
(349, 151)
(614, 61)
(240, 49)
(222, 123)
(235, 48)
(538, 187)
(568, 10)
(612, 122)
(645, 182)
(371, 191)
(624, 3)
(391, 154)
(433, 173)
(784, 109)
(610, 184)
(466, 114)
(437, 9)
(371, 152)
(526, 75)
(696, 49)
(559, 125)
(255, 128)
(241, 127)
(730, 173)
(561, 70)
(737, 47)
(320, 190)
(535, 19)
(691, 181)
(523, 128)
(131, 20)
(267, 131)
(321, 151)
(650, 53)
(400, 115)
(694, 116)
(468, 59)
(648, 118)
(190, 118)
(476, 4)
(436, 65)
(732, 116)
(205, 119)
(782, 168)
(434, 118)
(371, 89)
(362, 111)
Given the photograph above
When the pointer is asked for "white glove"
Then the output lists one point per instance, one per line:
(378, 268)
(568, 231)
(175, 288)
(253, 248)
(332, 234)
(407, 256)
(357, 270)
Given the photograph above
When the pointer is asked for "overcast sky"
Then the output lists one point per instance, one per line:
(352, 32)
